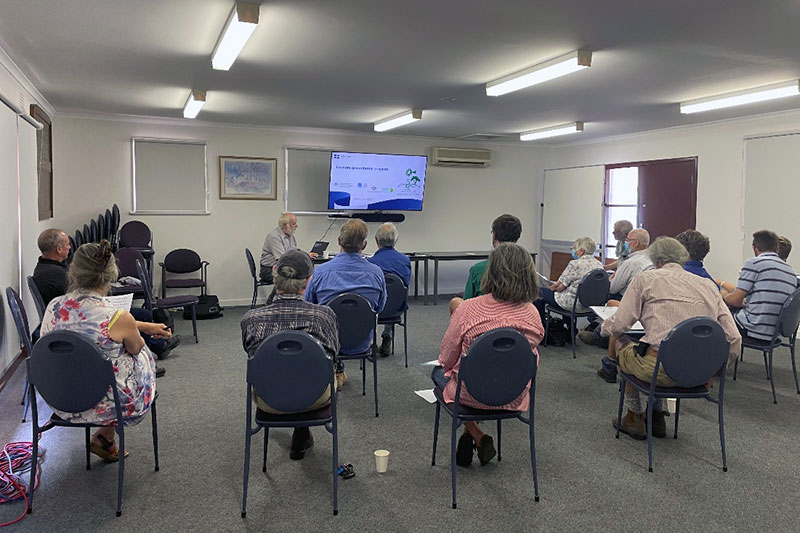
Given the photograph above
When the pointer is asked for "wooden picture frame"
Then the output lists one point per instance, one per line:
(247, 178)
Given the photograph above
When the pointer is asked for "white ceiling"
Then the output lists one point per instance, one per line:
(344, 64)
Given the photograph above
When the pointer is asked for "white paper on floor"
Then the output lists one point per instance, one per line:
(426, 395)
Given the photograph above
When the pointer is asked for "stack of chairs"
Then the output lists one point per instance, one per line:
(105, 226)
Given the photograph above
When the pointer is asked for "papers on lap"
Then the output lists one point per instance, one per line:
(122, 301)
(604, 312)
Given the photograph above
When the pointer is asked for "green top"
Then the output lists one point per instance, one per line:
(473, 287)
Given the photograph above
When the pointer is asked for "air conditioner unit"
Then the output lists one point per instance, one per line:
(460, 157)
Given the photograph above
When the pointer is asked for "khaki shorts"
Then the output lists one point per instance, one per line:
(322, 401)
(642, 366)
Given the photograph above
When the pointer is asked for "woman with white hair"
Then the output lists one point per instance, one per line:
(563, 292)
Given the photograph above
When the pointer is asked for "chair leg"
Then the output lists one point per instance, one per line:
(405, 341)
(154, 418)
(335, 459)
(88, 446)
(363, 377)
(650, 401)
(435, 434)
(572, 321)
(499, 441)
(533, 459)
(246, 476)
(794, 366)
(722, 437)
(194, 324)
(453, 458)
(546, 326)
(771, 378)
(766, 366)
(266, 444)
(677, 414)
(621, 400)
(375, 381)
(35, 461)
(25, 400)
(255, 295)
(121, 472)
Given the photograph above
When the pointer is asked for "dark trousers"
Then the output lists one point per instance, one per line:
(546, 297)
(265, 274)
(143, 315)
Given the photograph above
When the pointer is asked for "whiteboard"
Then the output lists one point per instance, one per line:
(169, 177)
(307, 176)
(573, 203)
(772, 190)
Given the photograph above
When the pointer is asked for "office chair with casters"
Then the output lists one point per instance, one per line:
(71, 375)
(183, 261)
(395, 310)
(289, 372)
(693, 352)
(357, 321)
(38, 301)
(257, 282)
(24, 333)
(593, 290)
(171, 302)
(496, 369)
(788, 322)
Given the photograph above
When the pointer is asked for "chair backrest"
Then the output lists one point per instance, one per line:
(113, 217)
(694, 351)
(789, 318)
(135, 233)
(396, 296)
(356, 319)
(290, 371)
(148, 290)
(182, 261)
(38, 301)
(593, 289)
(87, 234)
(94, 231)
(102, 227)
(69, 371)
(126, 261)
(250, 262)
(498, 366)
(78, 239)
(20, 319)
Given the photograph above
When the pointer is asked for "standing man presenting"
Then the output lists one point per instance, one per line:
(278, 241)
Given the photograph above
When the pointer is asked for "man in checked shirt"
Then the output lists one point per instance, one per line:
(289, 311)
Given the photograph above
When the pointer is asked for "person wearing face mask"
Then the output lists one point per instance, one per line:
(563, 292)
(278, 242)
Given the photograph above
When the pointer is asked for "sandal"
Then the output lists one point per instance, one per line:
(105, 449)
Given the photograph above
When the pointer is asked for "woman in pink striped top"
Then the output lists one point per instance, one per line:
(509, 287)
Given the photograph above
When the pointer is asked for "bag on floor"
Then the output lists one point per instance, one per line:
(557, 332)
(207, 307)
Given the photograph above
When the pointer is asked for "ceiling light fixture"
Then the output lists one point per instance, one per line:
(748, 96)
(551, 131)
(196, 101)
(555, 68)
(241, 24)
(401, 119)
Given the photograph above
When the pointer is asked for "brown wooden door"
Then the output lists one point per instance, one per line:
(668, 196)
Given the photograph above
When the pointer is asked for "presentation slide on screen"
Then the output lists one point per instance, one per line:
(376, 181)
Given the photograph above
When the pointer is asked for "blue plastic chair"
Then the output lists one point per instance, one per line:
(38, 301)
(496, 369)
(357, 321)
(172, 302)
(289, 372)
(593, 290)
(395, 310)
(692, 353)
(24, 333)
(71, 375)
(257, 282)
(788, 321)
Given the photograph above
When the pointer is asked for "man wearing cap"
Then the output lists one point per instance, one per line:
(290, 312)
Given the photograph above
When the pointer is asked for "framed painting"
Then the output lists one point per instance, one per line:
(247, 178)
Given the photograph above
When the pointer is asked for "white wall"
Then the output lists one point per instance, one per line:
(720, 151)
(92, 158)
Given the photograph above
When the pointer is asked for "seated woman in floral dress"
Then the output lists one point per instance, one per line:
(508, 286)
(83, 310)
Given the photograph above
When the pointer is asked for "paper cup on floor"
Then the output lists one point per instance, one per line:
(671, 402)
(381, 460)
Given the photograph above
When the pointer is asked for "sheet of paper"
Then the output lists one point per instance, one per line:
(432, 362)
(543, 279)
(122, 301)
(426, 395)
(605, 312)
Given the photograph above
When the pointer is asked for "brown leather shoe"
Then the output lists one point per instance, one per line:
(632, 425)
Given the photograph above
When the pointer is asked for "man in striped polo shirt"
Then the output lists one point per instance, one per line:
(765, 283)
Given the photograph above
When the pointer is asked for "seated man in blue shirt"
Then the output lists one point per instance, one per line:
(698, 246)
(349, 271)
(390, 260)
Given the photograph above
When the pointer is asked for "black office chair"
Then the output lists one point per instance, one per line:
(395, 310)
(172, 302)
(183, 261)
(289, 372)
(788, 321)
(24, 333)
(257, 281)
(593, 290)
(71, 374)
(38, 301)
(357, 321)
(496, 369)
(692, 353)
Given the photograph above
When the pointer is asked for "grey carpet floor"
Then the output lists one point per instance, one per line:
(588, 479)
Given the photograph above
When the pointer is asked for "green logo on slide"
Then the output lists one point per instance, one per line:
(412, 176)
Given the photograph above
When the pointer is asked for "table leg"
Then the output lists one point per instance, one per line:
(425, 281)
(436, 282)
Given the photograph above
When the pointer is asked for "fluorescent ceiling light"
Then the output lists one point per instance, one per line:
(749, 96)
(551, 131)
(555, 68)
(241, 25)
(406, 117)
(196, 101)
